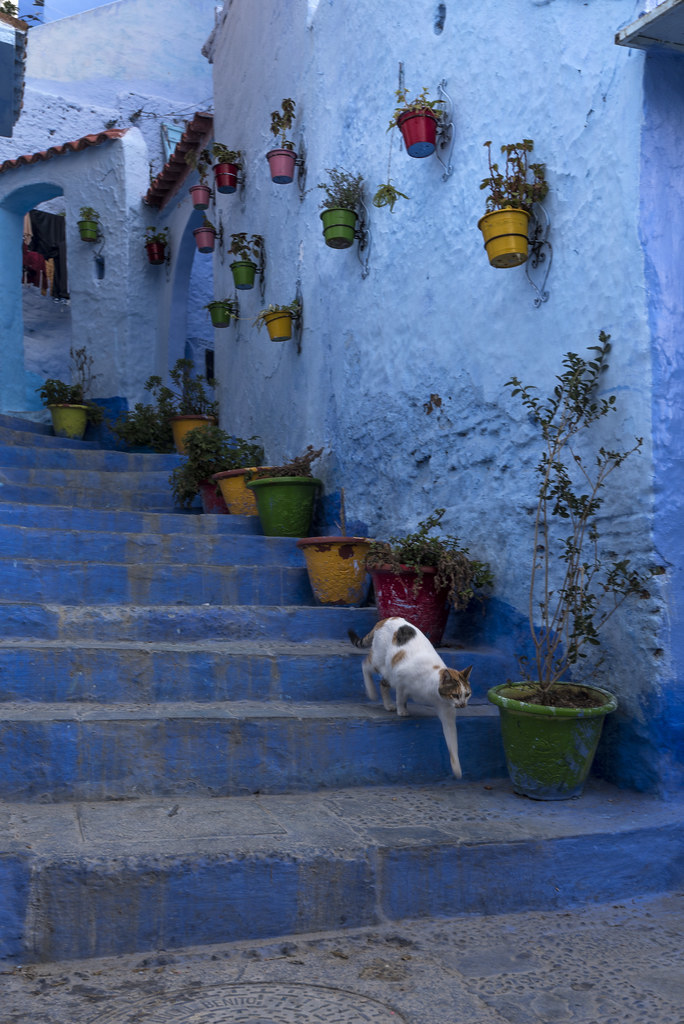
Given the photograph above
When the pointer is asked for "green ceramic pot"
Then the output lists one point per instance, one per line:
(244, 272)
(338, 228)
(285, 504)
(549, 750)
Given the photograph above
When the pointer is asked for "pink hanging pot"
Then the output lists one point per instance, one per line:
(205, 238)
(226, 178)
(282, 165)
(201, 196)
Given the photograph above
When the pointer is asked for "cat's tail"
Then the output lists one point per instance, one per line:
(358, 641)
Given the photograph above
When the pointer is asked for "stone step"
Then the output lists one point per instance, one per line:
(96, 879)
(212, 670)
(128, 521)
(27, 542)
(102, 459)
(85, 751)
(85, 480)
(40, 440)
(85, 497)
(148, 583)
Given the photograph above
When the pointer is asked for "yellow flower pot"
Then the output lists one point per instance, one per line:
(237, 496)
(505, 236)
(336, 568)
(279, 326)
(182, 425)
(69, 420)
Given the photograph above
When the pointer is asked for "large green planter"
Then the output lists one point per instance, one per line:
(285, 504)
(339, 227)
(549, 751)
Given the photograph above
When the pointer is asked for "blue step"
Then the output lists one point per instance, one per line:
(59, 457)
(124, 520)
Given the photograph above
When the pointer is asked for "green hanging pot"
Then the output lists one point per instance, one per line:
(339, 227)
(549, 750)
(244, 272)
(88, 230)
(285, 504)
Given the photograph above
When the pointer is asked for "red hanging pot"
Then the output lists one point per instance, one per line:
(226, 177)
(419, 131)
(201, 196)
(205, 239)
(425, 606)
(282, 164)
(155, 253)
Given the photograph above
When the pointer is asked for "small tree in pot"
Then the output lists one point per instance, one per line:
(210, 450)
(282, 160)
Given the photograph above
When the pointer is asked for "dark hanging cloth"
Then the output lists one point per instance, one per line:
(49, 239)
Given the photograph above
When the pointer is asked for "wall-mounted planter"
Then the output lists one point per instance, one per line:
(336, 568)
(244, 272)
(226, 178)
(205, 238)
(156, 253)
(281, 163)
(419, 131)
(279, 326)
(505, 236)
(182, 425)
(339, 227)
(69, 420)
(201, 196)
(88, 230)
(220, 312)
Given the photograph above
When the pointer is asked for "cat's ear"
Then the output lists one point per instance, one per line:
(465, 674)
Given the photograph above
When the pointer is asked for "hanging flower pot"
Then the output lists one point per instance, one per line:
(205, 237)
(201, 196)
(233, 484)
(425, 606)
(225, 176)
(285, 504)
(212, 502)
(281, 163)
(419, 131)
(88, 230)
(156, 253)
(182, 425)
(337, 568)
(221, 312)
(244, 272)
(505, 236)
(279, 326)
(549, 750)
(339, 227)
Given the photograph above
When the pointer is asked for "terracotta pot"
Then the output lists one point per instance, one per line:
(337, 568)
(419, 131)
(225, 176)
(282, 165)
(426, 607)
(182, 425)
(155, 253)
(201, 196)
(212, 503)
(205, 239)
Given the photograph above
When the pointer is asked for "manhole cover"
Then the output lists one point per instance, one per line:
(259, 1004)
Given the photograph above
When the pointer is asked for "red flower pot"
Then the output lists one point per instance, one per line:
(201, 196)
(426, 607)
(282, 164)
(205, 239)
(225, 176)
(419, 130)
(155, 253)
(211, 501)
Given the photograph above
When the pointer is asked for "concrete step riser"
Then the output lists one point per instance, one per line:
(112, 675)
(93, 459)
(84, 497)
(19, 542)
(86, 479)
(67, 760)
(177, 521)
(70, 583)
(184, 623)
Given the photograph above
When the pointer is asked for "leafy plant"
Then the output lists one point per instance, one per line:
(88, 213)
(344, 191)
(245, 248)
(458, 573)
(200, 161)
(281, 122)
(387, 195)
(511, 186)
(574, 588)
(156, 236)
(56, 392)
(294, 309)
(209, 450)
(417, 105)
(146, 426)
(299, 466)
(207, 224)
(223, 155)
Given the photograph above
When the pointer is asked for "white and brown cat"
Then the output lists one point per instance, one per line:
(405, 660)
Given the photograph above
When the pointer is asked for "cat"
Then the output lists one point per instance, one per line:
(406, 660)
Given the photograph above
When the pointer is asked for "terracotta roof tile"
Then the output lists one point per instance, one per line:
(175, 170)
(66, 147)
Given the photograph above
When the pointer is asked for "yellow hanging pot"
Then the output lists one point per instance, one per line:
(505, 236)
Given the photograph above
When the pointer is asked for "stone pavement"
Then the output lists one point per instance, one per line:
(615, 963)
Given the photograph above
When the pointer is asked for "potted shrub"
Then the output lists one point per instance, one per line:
(205, 235)
(69, 408)
(89, 224)
(336, 566)
(550, 725)
(512, 194)
(249, 252)
(285, 495)
(226, 168)
(186, 402)
(343, 195)
(200, 161)
(146, 427)
(418, 576)
(155, 244)
(210, 450)
(282, 161)
(278, 320)
(221, 311)
(417, 121)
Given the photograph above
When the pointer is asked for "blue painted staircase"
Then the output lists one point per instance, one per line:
(186, 752)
